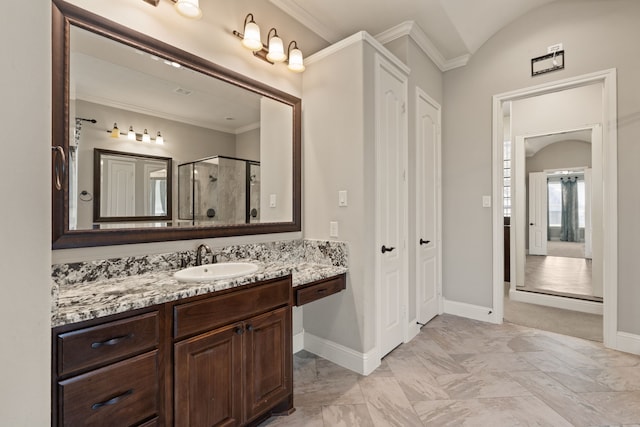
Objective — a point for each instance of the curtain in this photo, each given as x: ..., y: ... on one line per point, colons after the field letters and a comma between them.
x: 163, y: 195
x: 569, y: 226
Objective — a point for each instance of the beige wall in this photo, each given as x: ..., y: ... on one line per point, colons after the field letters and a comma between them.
x: 596, y: 35
x: 25, y: 230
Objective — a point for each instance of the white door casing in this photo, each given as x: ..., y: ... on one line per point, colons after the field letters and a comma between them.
x: 537, y: 213
x: 428, y: 177
x: 391, y: 202
x: 588, y: 230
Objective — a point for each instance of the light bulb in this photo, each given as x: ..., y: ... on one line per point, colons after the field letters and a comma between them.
x: 159, y: 139
x: 296, y: 61
x: 145, y: 136
x: 131, y: 134
x: 251, y: 38
x: 276, y: 49
x: 115, y: 132
x: 189, y: 8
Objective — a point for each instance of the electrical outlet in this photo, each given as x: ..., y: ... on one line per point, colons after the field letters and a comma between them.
x: 333, y: 229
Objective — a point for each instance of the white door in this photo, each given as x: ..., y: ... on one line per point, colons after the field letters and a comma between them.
x: 119, y: 188
x: 588, y: 229
x: 537, y: 213
x: 391, y: 203
x: 427, y: 207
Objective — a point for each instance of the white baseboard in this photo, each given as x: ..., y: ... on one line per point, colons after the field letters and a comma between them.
x: 557, y: 302
x: 362, y: 363
x: 298, y: 342
x: 629, y: 343
x: 470, y: 311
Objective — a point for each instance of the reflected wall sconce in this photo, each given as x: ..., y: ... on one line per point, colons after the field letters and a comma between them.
x: 133, y: 136
x: 187, y: 8
x: 273, y: 51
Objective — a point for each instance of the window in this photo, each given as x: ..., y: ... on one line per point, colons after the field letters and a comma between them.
x: 506, y: 176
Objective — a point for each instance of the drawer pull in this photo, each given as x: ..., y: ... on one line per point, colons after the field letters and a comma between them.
x: 112, y: 401
x: 112, y: 341
x: 322, y: 291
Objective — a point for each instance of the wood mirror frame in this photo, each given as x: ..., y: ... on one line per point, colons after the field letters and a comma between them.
x: 64, y: 15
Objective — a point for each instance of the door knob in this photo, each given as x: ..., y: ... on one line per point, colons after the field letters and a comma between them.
x: 530, y: 223
x: 386, y: 249
x: 424, y: 242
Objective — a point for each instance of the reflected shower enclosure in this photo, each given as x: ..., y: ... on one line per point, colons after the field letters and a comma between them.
x: 219, y: 190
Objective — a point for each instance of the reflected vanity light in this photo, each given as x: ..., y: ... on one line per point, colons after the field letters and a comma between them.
x: 133, y: 136
x: 187, y: 8
x: 273, y: 51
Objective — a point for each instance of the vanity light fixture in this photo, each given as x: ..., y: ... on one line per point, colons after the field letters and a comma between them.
x: 187, y: 8
x: 145, y: 136
x: 159, y: 139
x: 296, y: 61
x: 131, y: 134
x: 273, y: 51
x: 276, y: 48
x: 115, y: 132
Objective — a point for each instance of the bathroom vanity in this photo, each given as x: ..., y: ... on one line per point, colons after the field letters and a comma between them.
x: 148, y: 350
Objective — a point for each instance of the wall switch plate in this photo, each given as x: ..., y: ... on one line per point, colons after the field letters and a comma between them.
x: 342, y: 198
x: 333, y: 229
x: 486, y: 201
x: 272, y: 200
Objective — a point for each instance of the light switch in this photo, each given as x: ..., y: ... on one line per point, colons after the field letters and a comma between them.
x: 272, y: 200
x: 333, y: 229
x: 342, y: 198
x: 486, y: 201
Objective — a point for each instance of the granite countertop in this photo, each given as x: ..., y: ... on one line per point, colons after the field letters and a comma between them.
x: 90, y: 300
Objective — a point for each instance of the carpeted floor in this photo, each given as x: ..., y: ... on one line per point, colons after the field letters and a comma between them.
x: 566, y: 322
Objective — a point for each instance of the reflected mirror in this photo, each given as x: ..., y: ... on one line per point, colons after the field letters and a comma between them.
x: 130, y: 187
x: 127, y: 97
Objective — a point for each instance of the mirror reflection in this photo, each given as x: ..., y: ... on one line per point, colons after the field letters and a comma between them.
x: 124, y: 100
x: 130, y: 186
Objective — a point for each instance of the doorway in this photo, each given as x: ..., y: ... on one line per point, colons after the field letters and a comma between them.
x: 607, y: 247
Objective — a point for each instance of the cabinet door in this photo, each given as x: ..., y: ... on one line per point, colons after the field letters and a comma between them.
x: 208, y: 378
x: 268, y: 363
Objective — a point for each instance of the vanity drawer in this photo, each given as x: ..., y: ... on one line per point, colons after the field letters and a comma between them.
x: 98, y: 345
x: 320, y: 289
x: 216, y: 311
x: 123, y: 394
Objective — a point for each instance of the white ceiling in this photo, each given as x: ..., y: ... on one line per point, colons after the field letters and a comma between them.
x: 456, y: 28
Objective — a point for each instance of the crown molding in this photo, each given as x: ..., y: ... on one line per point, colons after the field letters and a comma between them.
x: 308, y: 20
x: 411, y: 29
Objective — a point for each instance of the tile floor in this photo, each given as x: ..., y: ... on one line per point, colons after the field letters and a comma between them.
x: 460, y: 372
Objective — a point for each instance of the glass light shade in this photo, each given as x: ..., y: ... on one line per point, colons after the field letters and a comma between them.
x: 115, y: 132
x: 145, y: 136
x: 189, y: 8
x: 131, y: 134
x: 296, y: 61
x: 159, y: 139
x: 251, y: 38
x: 276, y: 50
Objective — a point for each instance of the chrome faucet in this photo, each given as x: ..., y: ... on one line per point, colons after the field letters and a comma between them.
x: 207, y: 250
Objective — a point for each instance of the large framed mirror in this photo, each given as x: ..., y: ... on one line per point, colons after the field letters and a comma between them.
x: 117, y: 92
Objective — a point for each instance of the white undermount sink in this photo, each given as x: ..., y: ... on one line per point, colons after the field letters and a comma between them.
x: 209, y: 272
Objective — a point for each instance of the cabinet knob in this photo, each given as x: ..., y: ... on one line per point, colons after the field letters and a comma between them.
x: 249, y: 328
x: 239, y: 331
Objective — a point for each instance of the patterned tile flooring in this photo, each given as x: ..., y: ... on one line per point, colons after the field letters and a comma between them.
x: 460, y: 372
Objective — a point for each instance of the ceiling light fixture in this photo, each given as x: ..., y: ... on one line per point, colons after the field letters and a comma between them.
x: 273, y: 51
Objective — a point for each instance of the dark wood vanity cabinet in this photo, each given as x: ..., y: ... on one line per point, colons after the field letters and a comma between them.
x: 219, y: 360
x: 239, y: 372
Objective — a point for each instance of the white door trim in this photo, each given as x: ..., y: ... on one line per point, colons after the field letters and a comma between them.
x: 610, y: 170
